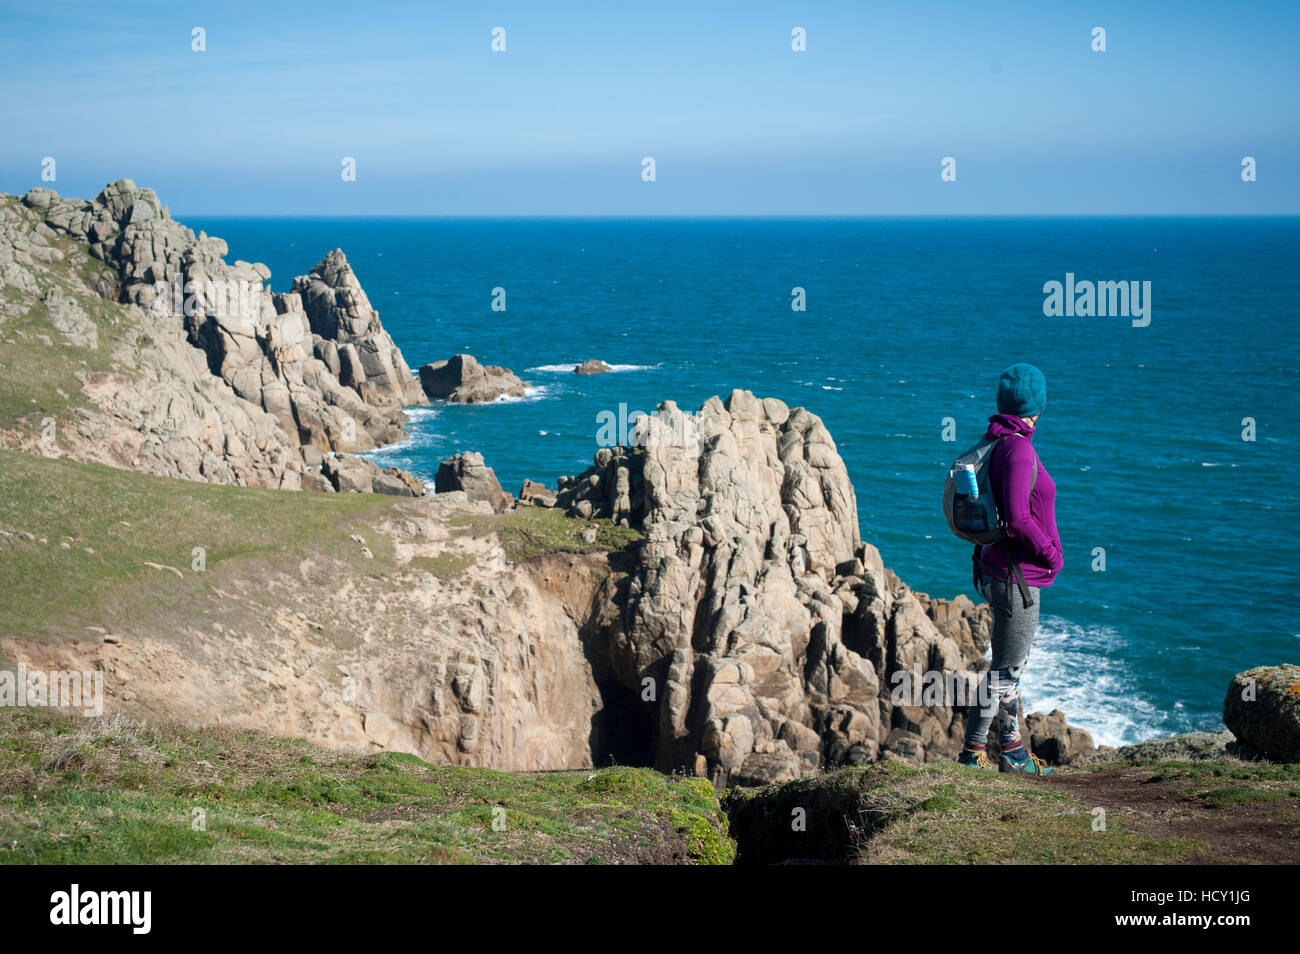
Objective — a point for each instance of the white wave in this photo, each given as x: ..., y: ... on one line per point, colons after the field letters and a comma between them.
x: 418, y: 440
x: 1081, y: 671
x: 421, y: 413
x: 570, y: 368
x: 534, y: 392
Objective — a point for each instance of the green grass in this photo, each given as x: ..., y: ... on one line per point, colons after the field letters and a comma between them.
x: 129, y: 520
x: 1223, y: 771
x: 112, y: 791
x: 445, y: 566
x: 529, y: 532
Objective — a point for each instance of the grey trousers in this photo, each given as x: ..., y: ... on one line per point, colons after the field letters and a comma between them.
x: 1014, y: 626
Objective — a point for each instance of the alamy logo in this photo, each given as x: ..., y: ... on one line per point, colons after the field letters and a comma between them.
x: 940, y: 688
x: 626, y: 428
x: 219, y: 299
x: 1100, y: 299
x: 103, y: 907
x: 59, y: 689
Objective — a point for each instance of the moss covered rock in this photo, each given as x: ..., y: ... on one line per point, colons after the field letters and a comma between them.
x: 1263, y: 710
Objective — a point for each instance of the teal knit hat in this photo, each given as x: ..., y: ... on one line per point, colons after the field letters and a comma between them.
x: 1022, y: 391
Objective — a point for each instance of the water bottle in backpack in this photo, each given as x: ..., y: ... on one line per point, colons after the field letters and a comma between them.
x: 968, y: 499
x: 972, y: 509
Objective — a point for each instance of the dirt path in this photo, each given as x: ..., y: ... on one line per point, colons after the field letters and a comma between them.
x: 1241, y: 820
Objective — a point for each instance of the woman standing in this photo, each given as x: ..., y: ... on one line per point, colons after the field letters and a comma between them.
x: 1026, y: 499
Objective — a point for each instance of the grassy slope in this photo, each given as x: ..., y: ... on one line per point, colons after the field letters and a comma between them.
x: 129, y: 520
x: 112, y: 791
x: 942, y: 813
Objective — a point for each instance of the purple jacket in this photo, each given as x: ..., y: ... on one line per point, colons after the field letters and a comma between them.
x: 1030, y: 516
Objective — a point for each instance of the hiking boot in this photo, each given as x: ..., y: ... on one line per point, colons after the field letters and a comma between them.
x: 1030, y: 765
x: 974, y: 759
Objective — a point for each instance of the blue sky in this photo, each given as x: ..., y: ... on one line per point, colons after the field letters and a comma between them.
x: 737, y: 122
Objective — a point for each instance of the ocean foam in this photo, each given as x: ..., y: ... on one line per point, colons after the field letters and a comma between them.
x: 534, y: 392
x: 1081, y: 671
x: 570, y: 368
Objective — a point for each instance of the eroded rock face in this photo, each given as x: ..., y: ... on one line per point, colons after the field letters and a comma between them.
x: 348, y: 473
x: 462, y: 380
x: 769, y: 636
x: 478, y: 664
x: 224, y: 381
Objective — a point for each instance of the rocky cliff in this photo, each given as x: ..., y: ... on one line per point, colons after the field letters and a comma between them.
x: 200, y: 372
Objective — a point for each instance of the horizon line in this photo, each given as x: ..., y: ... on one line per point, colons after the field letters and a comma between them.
x: 741, y: 216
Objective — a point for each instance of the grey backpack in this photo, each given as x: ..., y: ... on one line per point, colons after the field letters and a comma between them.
x: 977, y: 519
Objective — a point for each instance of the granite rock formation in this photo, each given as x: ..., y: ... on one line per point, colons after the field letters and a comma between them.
x: 462, y: 380
x: 212, y: 376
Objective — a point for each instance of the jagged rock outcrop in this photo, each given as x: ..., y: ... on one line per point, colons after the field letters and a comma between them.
x: 348, y: 338
x: 538, y: 495
x: 468, y: 473
x: 592, y: 366
x: 462, y: 380
x: 1262, y: 709
x: 768, y: 638
x: 213, y: 377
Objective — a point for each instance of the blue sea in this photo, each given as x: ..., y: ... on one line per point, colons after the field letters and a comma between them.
x: 908, y: 323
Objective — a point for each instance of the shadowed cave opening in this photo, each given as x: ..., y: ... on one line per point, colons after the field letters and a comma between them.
x: 624, y: 731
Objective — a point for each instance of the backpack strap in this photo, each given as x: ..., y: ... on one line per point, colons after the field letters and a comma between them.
x: 1026, y: 598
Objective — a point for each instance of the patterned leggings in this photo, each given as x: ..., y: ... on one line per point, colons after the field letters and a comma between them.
x: 1014, y: 626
